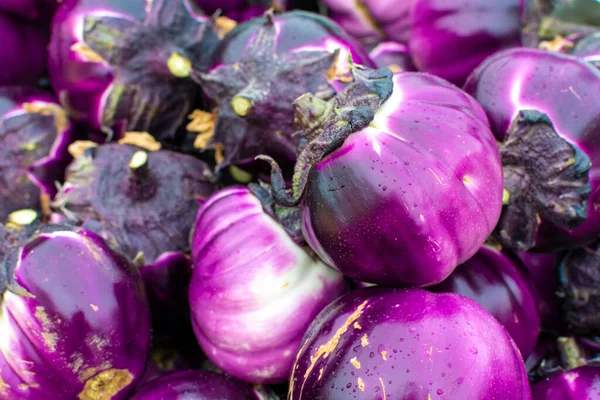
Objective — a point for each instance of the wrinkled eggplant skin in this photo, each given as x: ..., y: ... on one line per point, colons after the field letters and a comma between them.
x: 542, y: 268
x: 496, y: 283
x: 375, y: 21
x: 19, y: 66
x: 558, y: 85
x: 474, y: 29
x: 393, y: 55
x: 253, y: 291
x: 197, y: 385
x: 33, y: 152
x: 167, y: 281
x: 576, y: 384
x: 408, y: 343
x: 298, y: 31
x: 406, y: 200
x: 74, y: 319
x: 98, y: 191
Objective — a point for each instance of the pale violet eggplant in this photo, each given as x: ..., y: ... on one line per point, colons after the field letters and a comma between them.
x: 143, y: 202
x: 35, y: 134
x: 376, y: 343
x: 254, y: 291
x: 576, y: 384
x: 372, y: 21
x: 125, y: 65
x: 23, y: 51
x: 550, y: 201
x: 199, y: 385
x: 473, y: 29
x: 75, y: 320
x: 393, y: 55
x: 408, y: 184
x: 498, y: 284
x: 263, y: 66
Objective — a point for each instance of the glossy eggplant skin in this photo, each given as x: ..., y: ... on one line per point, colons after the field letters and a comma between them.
x: 407, y: 343
x: 473, y: 29
x: 576, y: 384
x: 75, y: 320
x: 254, y: 291
x: 412, y: 196
x: 372, y: 21
x: 564, y: 88
x: 197, y: 385
x: 498, y: 284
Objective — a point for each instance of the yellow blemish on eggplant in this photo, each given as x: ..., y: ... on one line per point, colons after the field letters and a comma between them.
x: 384, y: 355
x: 3, y: 386
x: 325, y: 349
x: 357, y: 325
x: 355, y: 362
x: 320, y: 374
x: 383, y: 388
x: 91, y: 371
x: 364, y: 340
x: 106, y: 384
x: 361, y: 384
x: 94, y: 307
x: 50, y: 338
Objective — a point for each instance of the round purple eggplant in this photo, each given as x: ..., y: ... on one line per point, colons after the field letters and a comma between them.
x: 75, y: 321
x: 473, y: 29
x: 142, y: 202
x: 393, y: 55
x: 23, y: 51
x: 543, y: 106
x: 125, y: 65
x: 372, y: 21
x: 496, y: 283
x: 198, y: 385
x: 411, y: 344
x: 34, y: 137
x: 400, y: 184
x: 576, y: 384
x: 254, y: 291
x: 263, y: 66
